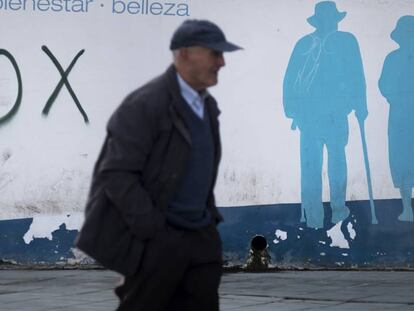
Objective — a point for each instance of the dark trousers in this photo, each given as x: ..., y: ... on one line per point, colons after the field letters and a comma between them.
x: 180, y: 271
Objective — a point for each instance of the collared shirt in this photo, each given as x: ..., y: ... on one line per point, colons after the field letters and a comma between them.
x: 194, y: 99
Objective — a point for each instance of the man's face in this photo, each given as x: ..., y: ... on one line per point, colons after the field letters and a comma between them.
x: 203, y: 65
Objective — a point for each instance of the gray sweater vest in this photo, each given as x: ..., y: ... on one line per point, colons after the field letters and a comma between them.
x: 188, y: 209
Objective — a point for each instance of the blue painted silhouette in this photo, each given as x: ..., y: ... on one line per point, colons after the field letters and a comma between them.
x: 396, y: 85
x: 324, y: 82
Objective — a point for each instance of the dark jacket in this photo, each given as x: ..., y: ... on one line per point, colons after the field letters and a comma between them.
x: 138, y: 172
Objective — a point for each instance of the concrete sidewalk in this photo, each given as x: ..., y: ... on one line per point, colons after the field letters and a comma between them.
x: 89, y: 290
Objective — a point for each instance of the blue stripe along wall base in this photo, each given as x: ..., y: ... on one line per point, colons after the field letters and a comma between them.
x: 354, y: 242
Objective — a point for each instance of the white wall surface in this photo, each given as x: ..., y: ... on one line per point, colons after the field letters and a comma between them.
x: 46, y: 162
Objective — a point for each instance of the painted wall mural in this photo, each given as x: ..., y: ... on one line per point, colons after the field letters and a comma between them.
x: 395, y: 84
x: 317, y: 122
x: 324, y: 82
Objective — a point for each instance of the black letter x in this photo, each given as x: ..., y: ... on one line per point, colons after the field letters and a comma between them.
x: 63, y: 80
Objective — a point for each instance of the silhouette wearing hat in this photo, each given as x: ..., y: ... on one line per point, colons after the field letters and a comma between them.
x: 396, y: 85
x: 324, y: 82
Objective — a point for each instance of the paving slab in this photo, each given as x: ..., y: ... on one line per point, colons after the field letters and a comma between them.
x: 91, y: 290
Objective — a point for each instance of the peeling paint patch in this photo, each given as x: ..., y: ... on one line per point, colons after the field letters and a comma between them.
x: 337, y: 237
x: 43, y: 226
x: 352, y: 232
x: 280, y: 236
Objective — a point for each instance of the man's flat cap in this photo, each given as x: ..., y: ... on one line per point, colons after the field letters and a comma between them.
x: 203, y: 33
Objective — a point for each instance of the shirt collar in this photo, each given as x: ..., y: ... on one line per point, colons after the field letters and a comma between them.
x: 187, y: 91
x: 194, y: 99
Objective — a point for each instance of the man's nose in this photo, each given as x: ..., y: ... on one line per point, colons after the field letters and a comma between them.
x: 221, y: 61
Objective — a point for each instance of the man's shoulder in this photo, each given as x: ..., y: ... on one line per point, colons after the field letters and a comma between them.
x: 309, y: 39
x: 153, y: 95
x: 149, y: 102
x: 304, y: 43
x: 345, y: 37
x: 151, y: 92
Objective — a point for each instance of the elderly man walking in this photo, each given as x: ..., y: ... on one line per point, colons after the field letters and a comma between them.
x: 324, y: 82
x: 151, y: 213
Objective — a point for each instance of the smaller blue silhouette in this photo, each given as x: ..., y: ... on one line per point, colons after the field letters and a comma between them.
x: 324, y: 82
x: 397, y: 86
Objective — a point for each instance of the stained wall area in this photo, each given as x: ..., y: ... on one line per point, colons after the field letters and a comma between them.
x: 317, y: 121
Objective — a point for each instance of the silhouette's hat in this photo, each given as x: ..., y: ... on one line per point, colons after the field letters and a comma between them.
x: 404, y: 31
x: 203, y: 33
x: 325, y: 10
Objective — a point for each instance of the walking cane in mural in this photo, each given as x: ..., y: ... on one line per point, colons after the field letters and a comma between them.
x: 374, y: 219
x: 396, y: 85
x: 324, y: 82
